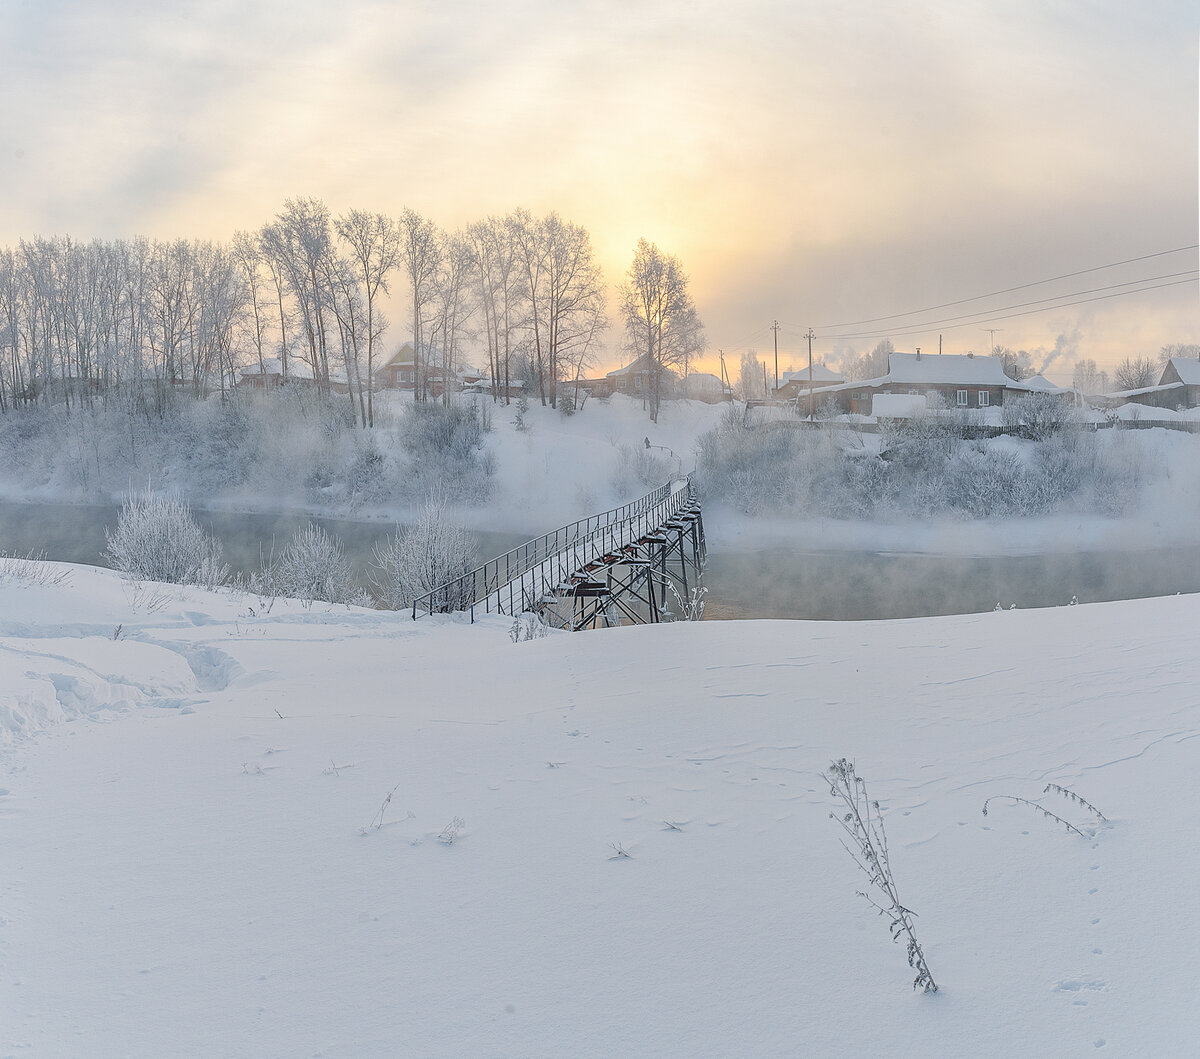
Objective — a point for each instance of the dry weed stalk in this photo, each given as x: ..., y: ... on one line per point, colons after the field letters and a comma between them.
x: 863, y: 825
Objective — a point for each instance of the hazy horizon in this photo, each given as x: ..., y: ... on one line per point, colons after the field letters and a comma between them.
x: 812, y: 165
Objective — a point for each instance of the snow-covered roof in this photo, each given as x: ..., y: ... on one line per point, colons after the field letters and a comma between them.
x: 820, y: 373
x: 1142, y: 390
x: 966, y: 369
x: 297, y: 369
x: 1188, y: 369
x: 703, y: 382
x: 643, y: 363
x: 1038, y: 384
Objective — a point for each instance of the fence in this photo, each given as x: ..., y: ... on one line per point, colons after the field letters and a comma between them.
x: 513, y: 582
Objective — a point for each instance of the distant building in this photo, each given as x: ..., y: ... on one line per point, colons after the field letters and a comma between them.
x: 702, y: 386
x: 399, y: 371
x: 794, y: 384
x: 637, y: 379
x: 950, y: 380
x: 269, y: 374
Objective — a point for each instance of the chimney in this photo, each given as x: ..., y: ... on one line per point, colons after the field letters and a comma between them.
x: 918, y: 352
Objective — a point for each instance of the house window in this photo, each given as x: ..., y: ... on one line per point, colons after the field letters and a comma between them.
x: 858, y: 396
x: 914, y: 393
x: 961, y: 399
x: 985, y: 398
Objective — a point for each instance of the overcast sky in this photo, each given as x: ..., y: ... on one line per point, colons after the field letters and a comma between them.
x: 816, y: 163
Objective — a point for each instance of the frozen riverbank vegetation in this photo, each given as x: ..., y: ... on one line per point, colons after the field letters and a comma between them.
x: 291, y: 447
x: 929, y: 466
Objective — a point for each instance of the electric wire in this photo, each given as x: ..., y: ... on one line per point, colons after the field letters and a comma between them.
x: 1003, y: 315
x: 1010, y: 290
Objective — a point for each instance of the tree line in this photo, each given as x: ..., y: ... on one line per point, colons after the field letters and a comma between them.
x: 82, y: 321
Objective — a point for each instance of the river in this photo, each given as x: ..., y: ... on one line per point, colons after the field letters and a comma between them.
x: 776, y: 583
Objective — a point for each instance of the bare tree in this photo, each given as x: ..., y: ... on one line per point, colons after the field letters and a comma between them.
x: 299, y: 241
x: 1136, y: 373
x: 375, y: 248
x: 422, y: 252
x: 500, y: 287
x: 871, y: 365
x: 661, y: 322
x: 1089, y: 379
x: 532, y: 253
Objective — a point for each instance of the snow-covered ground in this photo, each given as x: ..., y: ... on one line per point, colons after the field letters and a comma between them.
x: 200, y: 857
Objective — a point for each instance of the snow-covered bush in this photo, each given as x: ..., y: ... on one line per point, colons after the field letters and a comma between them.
x: 442, y: 445
x: 312, y: 566
x: 638, y: 469
x: 158, y: 539
x: 1039, y: 415
x: 432, y: 551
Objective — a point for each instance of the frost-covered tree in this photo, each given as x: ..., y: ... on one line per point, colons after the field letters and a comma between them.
x: 661, y: 322
x: 869, y: 365
x: 429, y: 554
x: 158, y: 539
x: 1134, y: 373
x: 1089, y: 379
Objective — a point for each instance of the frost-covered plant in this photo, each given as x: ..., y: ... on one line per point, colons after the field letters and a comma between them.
x: 1037, y: 807
x: 638, y: 468
x: 1069, y: 794
x: 158, y: 539
x: 312, y: 566
x: 31, y: 570
x: 862, y: 822
x: 528, y: 626
x: 451, y: 831
x: 431, y: 553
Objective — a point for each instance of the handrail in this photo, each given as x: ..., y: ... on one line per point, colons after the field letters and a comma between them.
x: 582, y: 541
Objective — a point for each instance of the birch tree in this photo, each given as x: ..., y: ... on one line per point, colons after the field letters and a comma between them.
x: 661, y: 322
x: 375, y: 249
x: 422, y: 254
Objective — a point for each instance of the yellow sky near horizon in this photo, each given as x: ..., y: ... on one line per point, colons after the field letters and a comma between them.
x: 806, y: 163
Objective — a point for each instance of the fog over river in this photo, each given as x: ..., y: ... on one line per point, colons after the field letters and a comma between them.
x: 779, y: 582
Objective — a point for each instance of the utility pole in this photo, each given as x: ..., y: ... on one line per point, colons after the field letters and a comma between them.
x: 775, y: 328
x: 810, y: 336
x: 991, y: 338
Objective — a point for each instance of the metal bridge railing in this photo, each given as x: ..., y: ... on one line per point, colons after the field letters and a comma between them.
x: 511, y: 582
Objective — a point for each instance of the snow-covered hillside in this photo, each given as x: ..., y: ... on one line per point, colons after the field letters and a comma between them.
x: 337, y: 832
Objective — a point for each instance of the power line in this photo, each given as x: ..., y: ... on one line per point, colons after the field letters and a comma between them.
x: 988, y: 313
x: 1010, y: 290
x: 1004, y: 315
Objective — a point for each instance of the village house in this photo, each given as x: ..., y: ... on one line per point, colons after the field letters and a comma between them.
x: 703, y: 386
x: 794, y: 384
x: 1177, y: 389
x: 399, y: 371
x: 637, y: 379
x: 269, y: 374
x: 1185, y: 372
x: 951, y: 380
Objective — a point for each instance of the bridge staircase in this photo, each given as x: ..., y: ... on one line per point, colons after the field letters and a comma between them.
x: 639, y: 563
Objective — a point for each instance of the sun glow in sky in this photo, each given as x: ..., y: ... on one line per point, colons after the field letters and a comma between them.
x: 809, y: 162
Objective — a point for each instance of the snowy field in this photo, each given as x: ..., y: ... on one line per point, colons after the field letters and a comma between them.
x: 200, y: 858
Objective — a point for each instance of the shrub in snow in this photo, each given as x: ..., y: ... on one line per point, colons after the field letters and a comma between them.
x: 313, y: 566
x: 528, y: 626
x: 158, y: 539
x: 32, y: 570
x: 638, y: 469
x: 432, y: 551
x: 863, y: 825
x: 442, y: 444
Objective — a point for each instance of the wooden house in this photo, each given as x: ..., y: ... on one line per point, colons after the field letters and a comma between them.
x: 962, y: 381
x: 637, y: 379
